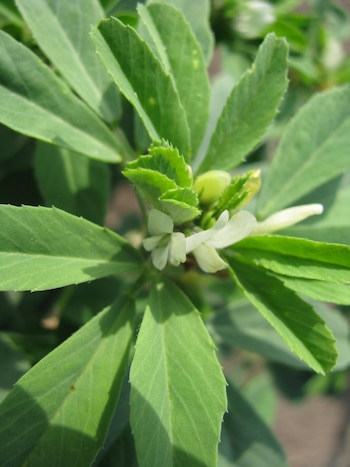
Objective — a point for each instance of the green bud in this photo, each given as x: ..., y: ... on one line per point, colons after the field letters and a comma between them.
x: 211, y: 185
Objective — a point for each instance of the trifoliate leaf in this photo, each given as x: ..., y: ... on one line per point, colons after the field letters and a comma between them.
x: 239, y: 192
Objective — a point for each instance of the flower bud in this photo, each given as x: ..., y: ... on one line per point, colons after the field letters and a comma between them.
x: 252, y: 185
x: 286, y: 218
x: 211, y: 185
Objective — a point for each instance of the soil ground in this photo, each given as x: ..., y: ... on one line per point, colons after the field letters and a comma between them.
x: 315, y: 433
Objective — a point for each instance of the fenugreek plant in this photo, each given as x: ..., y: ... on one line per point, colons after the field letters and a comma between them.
x: 224, y: 255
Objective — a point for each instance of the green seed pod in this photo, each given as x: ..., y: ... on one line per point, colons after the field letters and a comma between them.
x: 211, y: 185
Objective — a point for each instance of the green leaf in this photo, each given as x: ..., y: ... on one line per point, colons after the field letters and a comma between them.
x: 298, y: 257
x: 246, y: 440
x: 72, y: 182
x: 180, y: 204
x: 197, y: 13
x: 177, y: 387
x: 45, y: 248
x: 37, y: 103
x: 295, y: 320
x: 70, y: 395
x: 165, y: 29
x: 319, y: 290
x: 63, y: 33
x: 339, y: 325
x: 163, y: 178
x: 239, y: 191
x: 313, y: 150
x: 250, y: 108
x: 143, y: 81
x: 166, y: 160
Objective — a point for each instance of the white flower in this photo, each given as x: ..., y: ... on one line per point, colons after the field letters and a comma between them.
x: 225, y: 232
x: 164, y: 244
x: 287, y: 217
x: 255, y: 16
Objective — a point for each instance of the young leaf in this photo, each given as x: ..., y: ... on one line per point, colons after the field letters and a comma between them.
x: 143, y: 81
x: 164, y: 179
x: 166, y: 160
x: 298, y: 257
x: 239, y: 191
x: 177, y: 387
x: 313, y: 150
x: 37, y: 103
x: 167, y: 32
x: 45, y: 248
x: 245, y: 439
x: 250, y: 108
x: 295, y: 320
x: 197, y: 13
x: 72, y: 182
x: 64, y: 36
x: 69, y: 395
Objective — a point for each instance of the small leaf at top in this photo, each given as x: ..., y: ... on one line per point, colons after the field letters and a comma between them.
x: 250, y: 108
x: 164, y: 179
x: 166, y: 160
x: 240, y: 190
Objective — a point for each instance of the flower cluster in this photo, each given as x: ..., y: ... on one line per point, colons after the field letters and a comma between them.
x: 167, y: 246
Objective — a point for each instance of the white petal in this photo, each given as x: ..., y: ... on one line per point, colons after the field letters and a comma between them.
x: 150, y: 243
x: 177, y: 252
x: 208, y: 259
x: 193, y: 241
x: 286, y: 218
x: 159, y: 223
x: 222, y: 221
x: 238, y: 227
x: 160, y: 256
